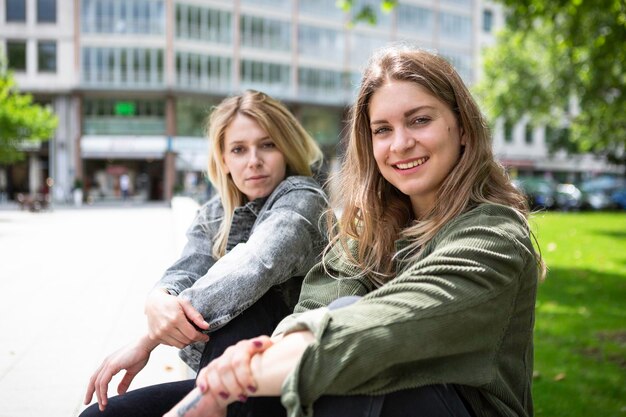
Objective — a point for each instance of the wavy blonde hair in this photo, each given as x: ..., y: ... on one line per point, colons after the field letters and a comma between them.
x: 375, y: 213
x: 301, y: 152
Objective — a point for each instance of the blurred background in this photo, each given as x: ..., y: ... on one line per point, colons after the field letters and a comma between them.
x: 102, y: 119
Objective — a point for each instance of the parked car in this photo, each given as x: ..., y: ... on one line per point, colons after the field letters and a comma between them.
x: 568, y: 197
x: 540, y: 192
x: 597, y: 192
x: 619, y: 198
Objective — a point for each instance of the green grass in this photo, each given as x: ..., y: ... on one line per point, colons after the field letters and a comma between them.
x: 580, y: 329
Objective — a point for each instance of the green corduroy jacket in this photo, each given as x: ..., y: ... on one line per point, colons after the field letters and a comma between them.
x: 462, y: 313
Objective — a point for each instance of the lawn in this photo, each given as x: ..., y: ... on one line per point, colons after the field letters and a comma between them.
x: 580, y: 329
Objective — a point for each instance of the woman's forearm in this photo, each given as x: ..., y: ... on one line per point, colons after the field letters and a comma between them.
x: 271, y: 367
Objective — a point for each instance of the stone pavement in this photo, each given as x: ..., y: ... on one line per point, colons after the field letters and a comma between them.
x: 72, y: 286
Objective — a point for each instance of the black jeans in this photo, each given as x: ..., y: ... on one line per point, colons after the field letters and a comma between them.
x: 155, y: 400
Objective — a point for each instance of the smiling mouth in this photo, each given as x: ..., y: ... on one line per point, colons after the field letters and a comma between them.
x: 411, y: 164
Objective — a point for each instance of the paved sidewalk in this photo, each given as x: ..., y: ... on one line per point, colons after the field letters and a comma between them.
x: 72, y: 287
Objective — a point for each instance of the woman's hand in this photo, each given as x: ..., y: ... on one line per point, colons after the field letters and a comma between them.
x: 133, y: 358
x: 171, y: 320
x: 230, y: 375
x: 225, y: 380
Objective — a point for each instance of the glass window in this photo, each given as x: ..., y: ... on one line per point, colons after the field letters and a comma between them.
x: 16, y: 10
x: 47, y: 56
x: 322, y: 8
x: 415, y: 19
x: 123, y: 116
x: 529, y: 134
x: 259, y: 32
x: 487, y: 20
x: 508, y: 131
x: 461, y: 62
x: 319, y: 42
x: 123, y: 66
x: 46, y: 11
x: 16, y: 55
x: 267, y: 76
x: 456, y: 27
x: 128, y: 16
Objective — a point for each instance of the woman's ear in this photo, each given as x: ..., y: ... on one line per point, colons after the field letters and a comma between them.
x: 462, y: 135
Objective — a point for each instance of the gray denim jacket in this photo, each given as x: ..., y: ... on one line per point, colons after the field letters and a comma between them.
x: 271, y: 240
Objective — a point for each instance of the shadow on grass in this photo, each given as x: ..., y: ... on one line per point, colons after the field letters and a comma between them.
x: 617, y: 234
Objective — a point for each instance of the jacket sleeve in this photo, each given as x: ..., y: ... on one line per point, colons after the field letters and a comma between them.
x: 286, y: 242
x: 197, y: 257
x: 440, y: 321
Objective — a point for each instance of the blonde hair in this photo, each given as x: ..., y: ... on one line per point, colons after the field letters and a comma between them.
x: 376, y: 213
x: 301, y: 152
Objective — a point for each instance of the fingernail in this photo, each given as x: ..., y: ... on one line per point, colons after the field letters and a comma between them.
x: 202, y: 387
x: 251, y: 388
x: 258, y: 343
x: 242, y: 398
x: 224, y: 395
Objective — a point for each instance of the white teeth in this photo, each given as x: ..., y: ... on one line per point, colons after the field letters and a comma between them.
x: 412, y: 163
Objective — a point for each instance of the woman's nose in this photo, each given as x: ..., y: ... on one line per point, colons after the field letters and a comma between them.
x: 402, y: 141
x: 255, y: 159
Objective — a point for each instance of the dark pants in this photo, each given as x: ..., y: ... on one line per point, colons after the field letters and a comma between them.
x: 156, y: 400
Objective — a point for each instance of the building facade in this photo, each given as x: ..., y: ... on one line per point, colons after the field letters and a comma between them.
x: 133, y: 80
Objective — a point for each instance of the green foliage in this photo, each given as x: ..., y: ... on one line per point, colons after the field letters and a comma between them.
x: 554, y: 51
x: 580, y: 327
x: 366, y: 13
x: 21, y: 121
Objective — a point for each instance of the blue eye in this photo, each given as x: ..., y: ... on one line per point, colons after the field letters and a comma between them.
x: 268, y: 145
x: 237, y: 149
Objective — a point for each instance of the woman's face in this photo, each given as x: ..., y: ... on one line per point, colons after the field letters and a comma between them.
x: 251, y: 158
x: 415, y: 139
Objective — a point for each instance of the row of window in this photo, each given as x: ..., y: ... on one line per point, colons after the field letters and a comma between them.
x: 138, y: 67
x: 15, y: 11
x: 123, y: 16
x: 46, y: 55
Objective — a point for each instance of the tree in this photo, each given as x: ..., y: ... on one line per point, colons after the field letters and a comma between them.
x: 562, y: 60
x: 21, y: 120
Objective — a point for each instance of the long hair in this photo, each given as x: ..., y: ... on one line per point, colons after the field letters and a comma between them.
x: 299, y: 149
x: 376, y: 213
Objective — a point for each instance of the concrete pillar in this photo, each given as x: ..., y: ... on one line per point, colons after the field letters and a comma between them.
x: 34, y: 173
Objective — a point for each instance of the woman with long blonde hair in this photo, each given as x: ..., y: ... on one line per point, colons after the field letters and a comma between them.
x: 423, y: 304
x: 248, y: 249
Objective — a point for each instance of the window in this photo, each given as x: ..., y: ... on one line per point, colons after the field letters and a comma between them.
x: 508, y: 131
x: 487, y: 20
x: 200, y: 23
x: 529, y: 134
x: 259, y: 32
x: 16, y: 10
x: 456, y: 27
x: 123, y: 116
x: 128, y: 16
x: 415, y: 19
x: 271, y: 77
x: 16, y: 55
x: 122, y: 66
x: 46, y: 56
x: 46, y: 11
x: 321, y: 8
x: 321, y: 43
